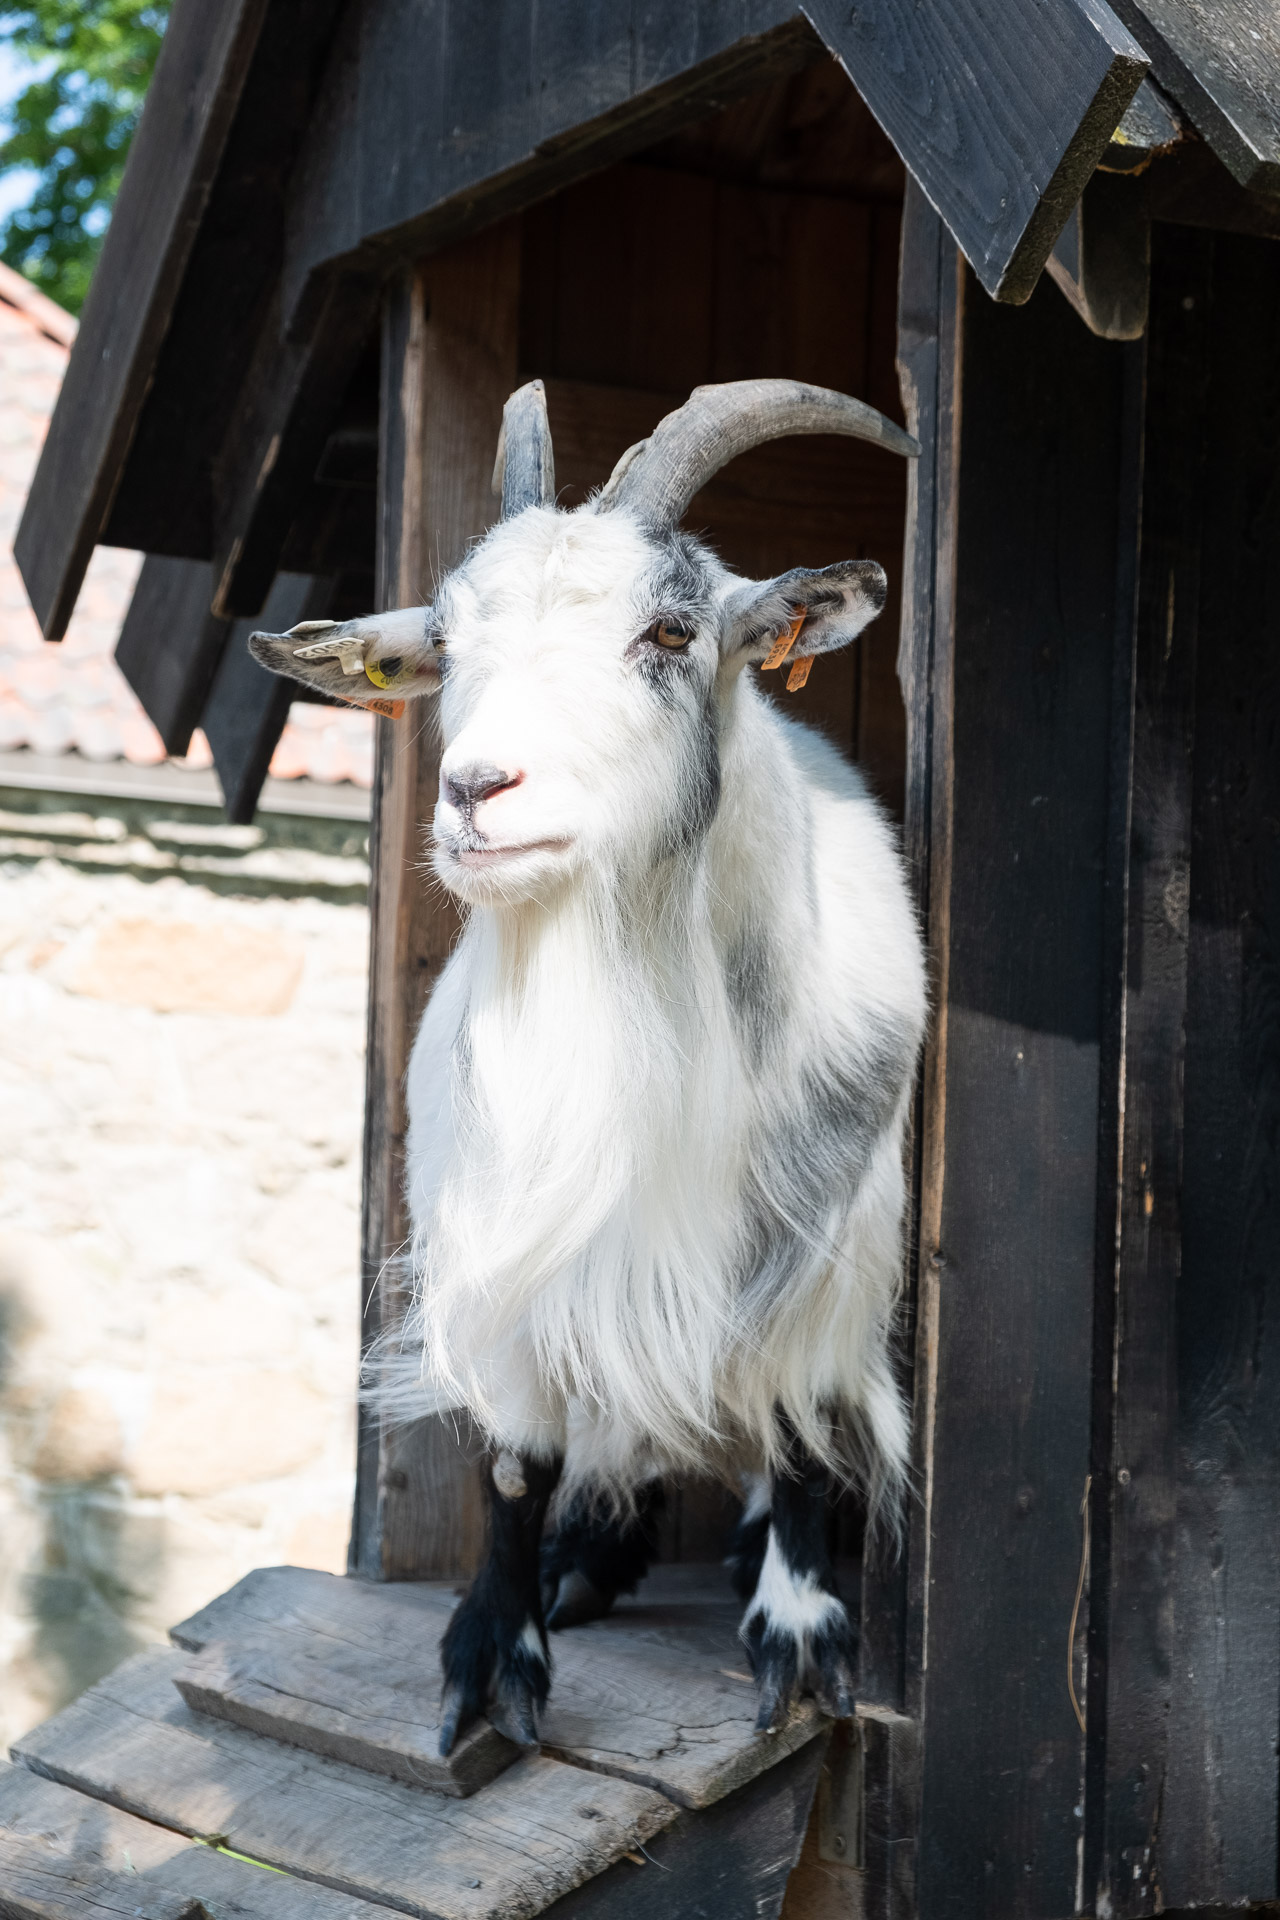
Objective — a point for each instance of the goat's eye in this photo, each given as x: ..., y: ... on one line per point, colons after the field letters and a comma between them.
x: 671, y: 633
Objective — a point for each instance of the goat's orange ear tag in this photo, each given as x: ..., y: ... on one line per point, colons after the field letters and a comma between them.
x: 784, y: 643
x: 389, y: 709
x: 799, y: 672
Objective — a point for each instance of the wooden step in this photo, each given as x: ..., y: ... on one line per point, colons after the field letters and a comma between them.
x: 66, y: 1857
x: 535, y: 1833
x: 658, y: 1693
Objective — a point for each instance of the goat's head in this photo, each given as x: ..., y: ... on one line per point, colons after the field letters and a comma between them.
x: 587, y: 660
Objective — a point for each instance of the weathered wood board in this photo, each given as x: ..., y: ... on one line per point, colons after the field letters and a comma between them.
x: 537, y: 1832
x: 657, y: 1694
x: 324, y: 1693
x: 64, y: 1856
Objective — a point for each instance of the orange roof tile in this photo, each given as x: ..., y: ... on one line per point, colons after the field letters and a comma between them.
x: 70, y: 697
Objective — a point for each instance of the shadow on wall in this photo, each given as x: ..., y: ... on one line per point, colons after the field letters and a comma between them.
x: 86, y: 1562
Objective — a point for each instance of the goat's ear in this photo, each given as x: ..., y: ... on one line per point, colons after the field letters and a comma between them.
x: 836, y: 604
x: 383, y: 657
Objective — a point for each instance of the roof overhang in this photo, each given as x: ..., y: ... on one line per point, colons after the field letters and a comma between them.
x: 289, y: 159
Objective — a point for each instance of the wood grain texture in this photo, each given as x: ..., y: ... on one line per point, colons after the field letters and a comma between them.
x: 1218, y: 1830
x: 1102, y: 259
x: 170, y: 645
x: 1137, y: 1511
x: 656, y: 1693
x: 536, y: 1832
x: 175, y: 155
x: 1220, y: 59
x: 246, y: 707
x: 344, y: 1703
x: 428, y: 124
x: 285, y: 406
x: 1009, y: 1184
x: 1001, y: 116
x: 66, y: 1856
x: 896, y: 1595
x: 449, y: 362
x: 732, y: 1861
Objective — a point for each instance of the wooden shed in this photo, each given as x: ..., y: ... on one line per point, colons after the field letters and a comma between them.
x: 347, y: 231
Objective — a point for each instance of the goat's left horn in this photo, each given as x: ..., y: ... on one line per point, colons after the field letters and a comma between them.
x: 657, y: 479
x: 524, y: 472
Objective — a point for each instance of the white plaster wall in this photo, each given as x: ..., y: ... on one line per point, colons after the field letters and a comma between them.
x: 180, y: 1116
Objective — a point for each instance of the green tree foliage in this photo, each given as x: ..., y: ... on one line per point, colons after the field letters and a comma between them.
x: 91, y: 63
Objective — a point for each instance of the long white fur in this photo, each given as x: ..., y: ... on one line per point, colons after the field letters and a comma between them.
x: 585, y: 1115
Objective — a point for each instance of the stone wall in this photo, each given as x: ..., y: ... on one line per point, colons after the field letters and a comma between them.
x: 180, y: 1116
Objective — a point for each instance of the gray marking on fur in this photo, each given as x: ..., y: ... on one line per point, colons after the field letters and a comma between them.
x: 752, y: 985
x: 812, y: 1159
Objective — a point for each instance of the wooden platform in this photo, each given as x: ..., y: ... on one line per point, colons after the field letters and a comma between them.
x: 281, y: 1760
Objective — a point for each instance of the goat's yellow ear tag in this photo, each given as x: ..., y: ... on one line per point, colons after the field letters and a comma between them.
x: 784, y: 643
x: 377, y: 676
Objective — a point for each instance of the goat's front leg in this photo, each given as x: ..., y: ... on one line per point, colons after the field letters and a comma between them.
x: 797, y: 1631
x: 494, y: 1652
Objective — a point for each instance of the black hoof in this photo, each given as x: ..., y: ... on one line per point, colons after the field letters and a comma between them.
x: 825, y: 1666
x: 496, y: 1667
x: 833, y: 1666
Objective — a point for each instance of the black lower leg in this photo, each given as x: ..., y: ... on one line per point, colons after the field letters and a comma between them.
x: 590, y: 1559
x: 494, y: 1652
x: 797, y: 1630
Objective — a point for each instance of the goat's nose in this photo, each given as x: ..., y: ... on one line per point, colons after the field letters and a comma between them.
x: 467, y: 786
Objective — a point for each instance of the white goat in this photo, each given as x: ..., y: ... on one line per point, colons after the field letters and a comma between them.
x: 658, y: 1098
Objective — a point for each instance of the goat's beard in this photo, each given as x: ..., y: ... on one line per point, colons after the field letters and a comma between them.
x: 584, y: 1218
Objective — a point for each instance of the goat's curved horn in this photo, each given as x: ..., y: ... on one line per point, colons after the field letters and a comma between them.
x: 657, y: 479
x: 524, y: 472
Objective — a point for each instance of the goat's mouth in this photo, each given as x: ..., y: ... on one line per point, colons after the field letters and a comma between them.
x: 475, y: 854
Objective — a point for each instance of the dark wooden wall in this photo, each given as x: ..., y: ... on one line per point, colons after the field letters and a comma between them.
x: 1093, y: 803
x: 763, y: 241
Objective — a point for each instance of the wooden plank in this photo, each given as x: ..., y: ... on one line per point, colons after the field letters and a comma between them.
x: 896, y: 1587
x: 64, y: 1856
x: 449, y: 362
x: 1218, y: 1828
x: 1136, y: 1512
x: 1220, y: 59
x: 246, y: 707
x: 164, y: 502
x: 1028, y: 99
x: 536, y: 1832
x: 1001, y: 117
x: 170, y: 645
x: 731, y: 1862
x: 1102, y: 260
x: 285, y: 409
x: 1018, y: 811
x: 458, y: 101
x: 203, y: 62
x: 657, y: 1693
x: 330, y: 1695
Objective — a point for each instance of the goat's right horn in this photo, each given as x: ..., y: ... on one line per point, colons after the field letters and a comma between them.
x: 658, y: 478
x: 524, y: 472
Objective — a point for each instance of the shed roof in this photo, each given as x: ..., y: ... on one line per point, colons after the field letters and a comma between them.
x: 290, y: 157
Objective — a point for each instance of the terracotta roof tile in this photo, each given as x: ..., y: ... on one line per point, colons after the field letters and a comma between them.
x: 71, y: 697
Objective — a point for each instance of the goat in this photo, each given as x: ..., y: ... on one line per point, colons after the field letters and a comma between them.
x: 658, y: 1098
